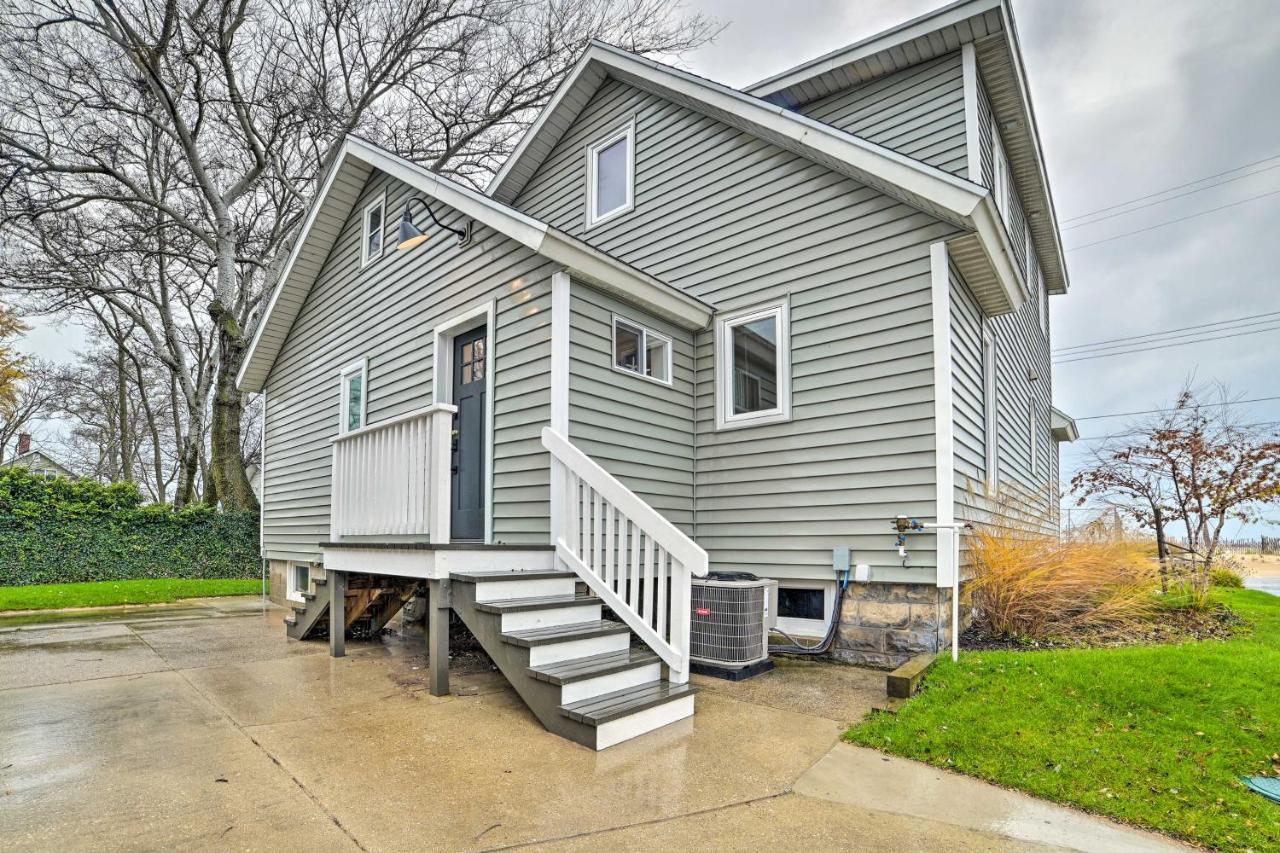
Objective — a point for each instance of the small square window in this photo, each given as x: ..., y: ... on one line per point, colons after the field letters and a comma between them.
x: 641, y: 351
x: 754, y: 367
x: 353, y: 390
x: 372, y: 235
x: 611, y: 175
x: 796, y: 603
x: 297, y: 581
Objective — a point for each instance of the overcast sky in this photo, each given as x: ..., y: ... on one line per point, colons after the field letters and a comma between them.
x: 1131, y: 98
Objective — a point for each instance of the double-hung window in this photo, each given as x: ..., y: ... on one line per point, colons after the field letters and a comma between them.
x: 641, y: 351
x: 373, y: 231
x: 753, y: 367
x: 354, y: 391
x: 611, y: 165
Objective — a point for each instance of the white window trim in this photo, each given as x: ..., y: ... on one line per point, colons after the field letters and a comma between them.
x: 725, y: 419
x: 380, y: 203
x: 807, y: 627
x: 344, y: 399
x: 442, y: 383
x: 627, y: 131
x: 291, y: 590
x: 990, y: 407
x: 1000, y: 177
x: 645, y: 334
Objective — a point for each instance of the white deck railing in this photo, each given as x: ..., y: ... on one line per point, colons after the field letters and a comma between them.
x: 635, y: 560
x: 393, y: 477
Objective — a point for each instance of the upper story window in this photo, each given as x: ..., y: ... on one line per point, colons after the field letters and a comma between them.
x: 641, y: 351
x: 372, y: 233
x: 1035, y: 281
x: 354, y: 393
x: 611, y: 175
x: 1001, y: 182
x: 753, y: 367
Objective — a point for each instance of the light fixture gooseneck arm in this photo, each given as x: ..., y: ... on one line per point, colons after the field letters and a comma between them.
x: 462, y: 235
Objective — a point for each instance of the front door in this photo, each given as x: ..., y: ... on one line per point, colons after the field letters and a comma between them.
x: 470, y: 368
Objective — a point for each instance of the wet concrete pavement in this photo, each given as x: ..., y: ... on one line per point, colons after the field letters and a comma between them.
x: 202, y: 727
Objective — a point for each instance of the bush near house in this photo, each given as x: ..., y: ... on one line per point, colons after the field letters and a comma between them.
x: 54, y: 530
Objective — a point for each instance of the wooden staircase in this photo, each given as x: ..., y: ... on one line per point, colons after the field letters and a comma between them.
x: 583, y: 676
x: 371, y: 601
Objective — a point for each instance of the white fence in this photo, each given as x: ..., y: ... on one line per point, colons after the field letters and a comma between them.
x: 394, y: 478
x: 635, y: 560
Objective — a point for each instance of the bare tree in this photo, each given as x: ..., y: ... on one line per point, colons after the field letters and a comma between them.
x: 240, y: 103
x: 34, y: 399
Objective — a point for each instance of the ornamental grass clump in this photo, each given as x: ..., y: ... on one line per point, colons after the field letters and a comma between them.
x: 1034, y: 586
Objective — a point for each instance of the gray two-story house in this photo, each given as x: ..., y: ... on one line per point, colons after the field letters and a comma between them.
x: 686, y: 328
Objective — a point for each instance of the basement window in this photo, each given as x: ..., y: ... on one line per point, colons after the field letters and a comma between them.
x: 298, y: 581
x: 804, y: 606
x: 753, y: 367
x: 353, y: 393
x: 374, y: 222
x: 611, y: 175
x: 641, y: 351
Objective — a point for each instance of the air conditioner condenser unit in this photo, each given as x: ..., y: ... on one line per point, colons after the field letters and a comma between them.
x: 732, y: 613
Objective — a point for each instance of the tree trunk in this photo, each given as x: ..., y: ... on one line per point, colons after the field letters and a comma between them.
x: 122, y: 416
x: 226, y: 464
x: 1162, y: 549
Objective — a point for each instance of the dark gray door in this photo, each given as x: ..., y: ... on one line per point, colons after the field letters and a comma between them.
x: 470, y: 368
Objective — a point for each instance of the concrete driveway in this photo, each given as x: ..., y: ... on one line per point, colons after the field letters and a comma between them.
x: 200, y: 726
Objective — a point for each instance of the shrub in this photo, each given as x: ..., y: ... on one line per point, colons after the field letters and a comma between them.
x: 1226, y: 578
x: 54, y: 530
x: 1035, y: 586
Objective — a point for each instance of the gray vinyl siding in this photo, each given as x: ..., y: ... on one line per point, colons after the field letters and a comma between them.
x: 968, y: 397
x: 386, y: 312
x: 739, y: 222
x: 918, y: 111
x: 638, y: 430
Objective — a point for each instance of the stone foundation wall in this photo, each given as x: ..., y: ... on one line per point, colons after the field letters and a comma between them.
x: 885, y: 624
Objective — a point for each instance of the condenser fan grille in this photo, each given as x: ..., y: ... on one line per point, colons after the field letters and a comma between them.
x: 727, y: 624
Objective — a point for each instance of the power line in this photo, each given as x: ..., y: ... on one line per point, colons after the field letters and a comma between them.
x: 1133, y: 433
x: 1173, y: 221
x: 1171, y: 189
x: 1090, y: 356
x: 1159, y: 411
x: 1166, y: 332
x: 1170, y: 198
x: 1167, y: 337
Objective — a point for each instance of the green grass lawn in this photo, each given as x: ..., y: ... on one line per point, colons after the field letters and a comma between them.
x: 1157, y: 736
x: 103, y: 593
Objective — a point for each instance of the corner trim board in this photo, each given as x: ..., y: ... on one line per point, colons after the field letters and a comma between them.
x: 943, y: 410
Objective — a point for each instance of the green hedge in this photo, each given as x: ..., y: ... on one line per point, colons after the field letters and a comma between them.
x: 54, y: 530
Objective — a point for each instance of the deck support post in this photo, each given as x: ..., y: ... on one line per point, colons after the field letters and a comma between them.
x: 438, y: 606
x: 337, y: 583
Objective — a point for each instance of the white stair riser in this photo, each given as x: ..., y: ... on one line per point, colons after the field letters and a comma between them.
x: 617, y: 731
x: 576, y: 691
x: 537, y: 588
x: 562, y: 615
x: 571, y: 649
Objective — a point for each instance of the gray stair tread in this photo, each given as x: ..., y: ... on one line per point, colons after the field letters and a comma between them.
x: 611, y: 706
x: 579, y: 669
x: 515, y: 575
x: 541, y: 602
x: 563, y: 633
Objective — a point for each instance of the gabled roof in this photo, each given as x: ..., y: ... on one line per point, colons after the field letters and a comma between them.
x: 989, y: 26
x: 330, y: 209
x: 1062, y: 426
x: 24, y: 461
x: 983, y: 254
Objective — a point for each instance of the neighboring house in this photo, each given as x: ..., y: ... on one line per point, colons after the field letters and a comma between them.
x: 684, y: 325
x: 36, y: 461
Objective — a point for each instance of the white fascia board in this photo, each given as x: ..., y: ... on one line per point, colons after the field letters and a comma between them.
x: 905, y: 32
x: 948, y: 191
x: 1062, y: 425
x: 986, y: 221
x: 598, y: 269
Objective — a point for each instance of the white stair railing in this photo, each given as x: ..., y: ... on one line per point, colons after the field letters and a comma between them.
x: 393, y: 477
x: 635, y: 560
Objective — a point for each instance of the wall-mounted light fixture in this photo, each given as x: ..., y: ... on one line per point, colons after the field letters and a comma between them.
x: 411, y: 235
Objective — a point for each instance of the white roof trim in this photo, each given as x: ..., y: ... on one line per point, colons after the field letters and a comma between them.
x: 585, y: 261
x: 1062, y: 426
x: 949, y: 197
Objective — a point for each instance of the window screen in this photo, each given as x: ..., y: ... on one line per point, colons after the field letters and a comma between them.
x: 755, y: 365
x: 611, y: 177
x: 796, y: 603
